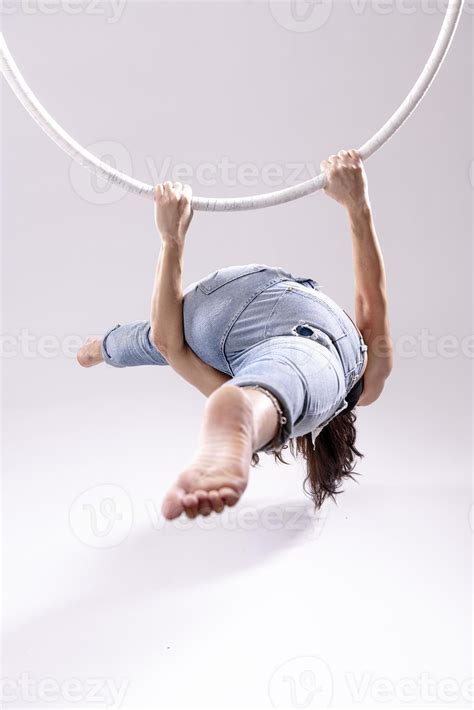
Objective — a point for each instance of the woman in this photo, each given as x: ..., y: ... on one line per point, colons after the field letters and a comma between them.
x: 280, y: 362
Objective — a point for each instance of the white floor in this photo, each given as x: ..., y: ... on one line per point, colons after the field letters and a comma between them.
x: 366, y: 605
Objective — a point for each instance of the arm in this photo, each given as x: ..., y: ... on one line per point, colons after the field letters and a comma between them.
x: 173, y: 216
x: 347, y: 184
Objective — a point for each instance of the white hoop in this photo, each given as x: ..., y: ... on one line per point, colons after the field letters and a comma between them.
x: 88, y: 160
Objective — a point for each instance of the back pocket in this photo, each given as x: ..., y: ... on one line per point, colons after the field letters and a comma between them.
x: 219, y: 278
x: 300, y: 306
x: 328, y: 311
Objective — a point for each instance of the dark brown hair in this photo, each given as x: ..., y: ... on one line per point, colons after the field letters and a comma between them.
x: 330, y: 461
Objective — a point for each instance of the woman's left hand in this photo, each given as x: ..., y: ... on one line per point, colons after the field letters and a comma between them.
x: 173, y: 211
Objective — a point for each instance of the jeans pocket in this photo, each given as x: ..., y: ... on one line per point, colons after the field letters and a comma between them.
x: 220, y: 278
x: 315, y: 309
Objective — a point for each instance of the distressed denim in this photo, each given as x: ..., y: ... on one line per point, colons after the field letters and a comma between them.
x: 262, y: 326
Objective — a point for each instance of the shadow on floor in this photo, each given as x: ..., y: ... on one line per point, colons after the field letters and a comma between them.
x: 133, y: 583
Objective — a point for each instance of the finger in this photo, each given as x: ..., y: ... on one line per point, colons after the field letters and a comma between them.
x: 216, y: 502
x: 324, y: 165
x: 332, y: 159
x: 187, y: 193
x: 159, y: 191
x: 168, y: 188
x: 342, y: 154
x: 354, y: 154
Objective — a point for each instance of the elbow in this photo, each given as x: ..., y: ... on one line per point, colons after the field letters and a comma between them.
x: 372, y: 307
x: 159, y: 344
x: 380, y: 351
x: 164, y: 349
x: 386, y: 366
x: 169, y: 351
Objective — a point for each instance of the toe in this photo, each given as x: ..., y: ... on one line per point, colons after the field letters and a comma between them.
x: 229, y: 496
x: 190, y: 505
x: 205, y: 507
x: 216, y: 501
x: 173, y: 503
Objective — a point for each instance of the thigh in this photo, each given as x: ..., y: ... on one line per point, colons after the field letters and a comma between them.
x: 304, y: 375
x: 213, y: 305
x: 289, y: 308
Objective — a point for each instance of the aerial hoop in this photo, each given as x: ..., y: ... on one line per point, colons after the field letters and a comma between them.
x: 218, y: 204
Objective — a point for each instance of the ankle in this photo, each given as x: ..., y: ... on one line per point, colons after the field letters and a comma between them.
x: 268, y: 416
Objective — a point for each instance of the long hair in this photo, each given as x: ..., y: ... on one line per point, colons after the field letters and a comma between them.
x: 332, y: 459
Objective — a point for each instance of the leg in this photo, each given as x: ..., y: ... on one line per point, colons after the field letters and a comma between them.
x: 126, y: 345
x: 308, y: 384
x: 237, y: 422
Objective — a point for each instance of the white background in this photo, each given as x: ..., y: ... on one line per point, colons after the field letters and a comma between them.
x: 369, y: 602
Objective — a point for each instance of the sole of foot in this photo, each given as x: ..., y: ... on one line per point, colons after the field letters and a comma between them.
x: 219, y: 472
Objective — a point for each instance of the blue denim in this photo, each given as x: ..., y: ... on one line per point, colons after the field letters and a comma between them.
x: 263, y: 326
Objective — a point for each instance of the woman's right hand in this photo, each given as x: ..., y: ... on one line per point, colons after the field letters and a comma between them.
x: 173, y: 211
x: 346, y: 179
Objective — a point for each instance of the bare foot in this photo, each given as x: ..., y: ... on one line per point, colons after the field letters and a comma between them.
x: 219, y: 472
x: 91, y: 352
